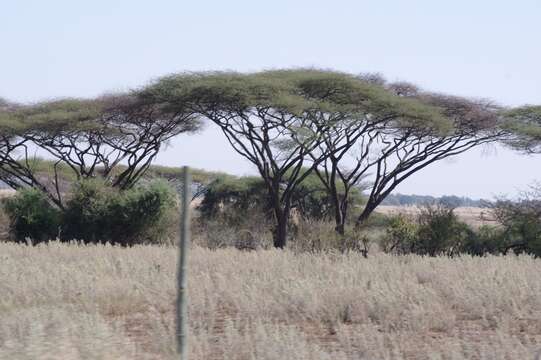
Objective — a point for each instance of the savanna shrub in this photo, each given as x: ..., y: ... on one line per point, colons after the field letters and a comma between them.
x: 436, y: 230
x: 521, y: 222
x: 315, y: 236
x: 98, y: 213
x: 440, y: 231
x: 230, y: 199
x: 486, y: 240
x: 401, y: 235
x: 95, y: 212
x: 31, y: 216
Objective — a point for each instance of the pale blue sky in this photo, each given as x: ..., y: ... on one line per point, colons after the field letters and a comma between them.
x: 478, y: 48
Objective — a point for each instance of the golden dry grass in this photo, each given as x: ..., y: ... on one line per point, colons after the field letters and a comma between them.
x: 100, y: 302
x: 6, y: 193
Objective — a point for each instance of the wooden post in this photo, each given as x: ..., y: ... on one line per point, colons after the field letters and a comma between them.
x: 182, y: 296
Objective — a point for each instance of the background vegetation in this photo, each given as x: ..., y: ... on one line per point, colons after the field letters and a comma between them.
x: 296, y: 126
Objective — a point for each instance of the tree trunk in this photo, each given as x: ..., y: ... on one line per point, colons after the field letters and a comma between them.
x: 339, y: 220
x: 368, y: 210
x: 340, y: 228
x: 280, y: 230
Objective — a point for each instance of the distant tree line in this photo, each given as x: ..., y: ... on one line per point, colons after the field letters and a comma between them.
x: 449, y: 200
x: 347, y: 130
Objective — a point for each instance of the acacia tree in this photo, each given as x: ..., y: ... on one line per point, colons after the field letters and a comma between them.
x: 15, y: 172
x: 407, y: 150
x: 357, y: 134
x: 521, y: 220
x: 278, y: 120
x: 113, y: 137
x: 265, y: 118
x: 392, y: 144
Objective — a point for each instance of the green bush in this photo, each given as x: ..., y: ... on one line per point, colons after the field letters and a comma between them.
x: 230, y: 199
x: 521, y: 222
x: 486, y: 240
x: 98, y: 213
x: 401, y: 235
x: 31, y: 216
x: 436, y: 230
x: 440, y: 231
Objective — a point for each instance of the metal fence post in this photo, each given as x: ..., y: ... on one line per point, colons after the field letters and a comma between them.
x: 182, y: 300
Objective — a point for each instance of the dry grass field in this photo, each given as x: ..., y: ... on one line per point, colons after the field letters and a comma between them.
x: 63, y: 301
x: 6, y: 192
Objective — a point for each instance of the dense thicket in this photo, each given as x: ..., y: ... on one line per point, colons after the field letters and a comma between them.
x: 95, y: 212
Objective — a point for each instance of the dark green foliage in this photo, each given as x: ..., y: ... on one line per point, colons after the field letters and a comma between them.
x: 436, y: 230
x: 313, y: 200
x: 521, y: 222
x: 440, y: 231
x: 87, y: 214
x: 486, y: 240
x: 376, y: 221
x: 401, y: 235
x: 95, y: 212
x: 234, y: 197
x: 143, y: 214
x: 31, y: 216
x: 99, y: 213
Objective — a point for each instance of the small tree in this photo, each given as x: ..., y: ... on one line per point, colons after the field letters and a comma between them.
x: 521, y: 221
